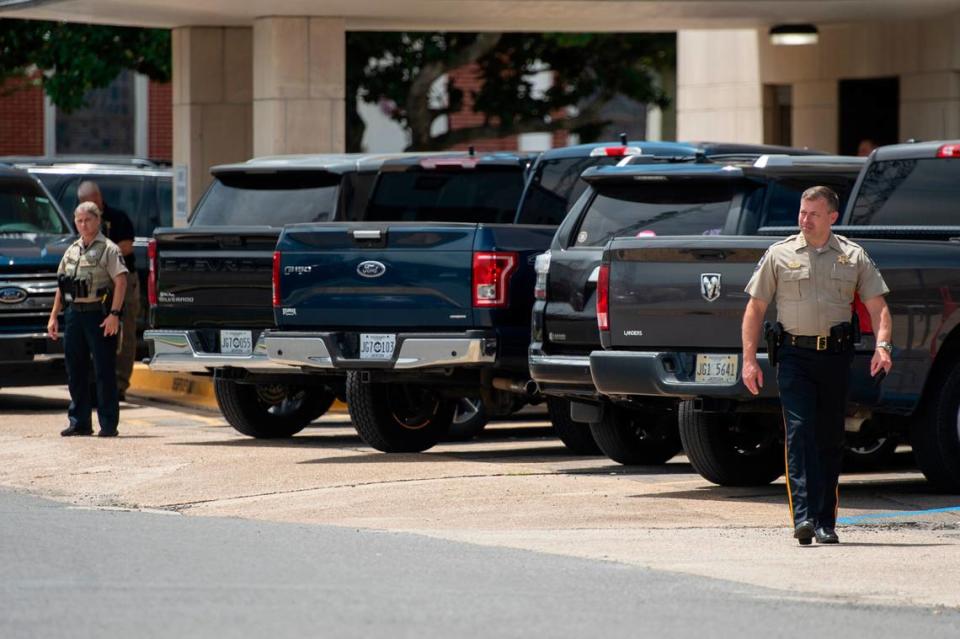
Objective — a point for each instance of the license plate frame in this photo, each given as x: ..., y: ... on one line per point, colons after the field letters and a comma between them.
x: 236, y: 342
x: 377, y: 347
x: 715, y: 369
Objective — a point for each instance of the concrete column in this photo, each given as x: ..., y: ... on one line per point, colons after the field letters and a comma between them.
x: 299, y: 83
x: 212, y: 101
x: 719, y: 91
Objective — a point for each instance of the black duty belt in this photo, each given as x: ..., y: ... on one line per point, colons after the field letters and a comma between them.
x: 828, y: 343
x: 86, y: 306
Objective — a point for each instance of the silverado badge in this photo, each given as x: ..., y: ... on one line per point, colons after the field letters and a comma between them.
x: 371, y: 268
x: 710, y: 286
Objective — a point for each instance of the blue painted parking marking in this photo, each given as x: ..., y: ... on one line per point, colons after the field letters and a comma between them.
x: 903, y: 513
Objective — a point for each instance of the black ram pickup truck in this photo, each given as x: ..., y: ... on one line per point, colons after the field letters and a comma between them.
x: 730, y: 194
x: 209, y: 284
x: 672, y: 309
x: 429, y: 299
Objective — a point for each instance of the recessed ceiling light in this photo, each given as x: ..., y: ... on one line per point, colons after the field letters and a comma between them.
x: 793, y: 34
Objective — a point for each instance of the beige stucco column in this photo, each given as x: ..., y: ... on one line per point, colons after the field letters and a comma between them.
x: 212, y: 101
x: 299, y: 79
x: 719, y: 91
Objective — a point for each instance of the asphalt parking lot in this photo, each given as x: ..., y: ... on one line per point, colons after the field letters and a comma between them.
x: 514, y: 488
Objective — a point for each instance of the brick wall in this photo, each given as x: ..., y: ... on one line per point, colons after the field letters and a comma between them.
x: 160, y: 122
x: 21, y: 118
x: 467, y: 78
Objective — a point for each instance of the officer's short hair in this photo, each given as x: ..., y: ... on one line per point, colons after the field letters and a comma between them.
x: 824, y: 193
x: 88, y: 207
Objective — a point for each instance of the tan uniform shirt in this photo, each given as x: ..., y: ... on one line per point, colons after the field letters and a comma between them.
x: 97, y: 264
x: 813, y: 290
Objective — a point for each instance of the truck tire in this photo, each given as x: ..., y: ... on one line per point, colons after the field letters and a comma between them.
x: 469, y: 420
x: 936, y: 436
x: 870, y: 455
x: 637, y: 438
x: 397, y: 418
x: 270, y: 411
x: 732, y: 450
x: 575, y: 436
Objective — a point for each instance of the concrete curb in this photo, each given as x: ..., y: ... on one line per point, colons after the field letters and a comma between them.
x: 187, y: 389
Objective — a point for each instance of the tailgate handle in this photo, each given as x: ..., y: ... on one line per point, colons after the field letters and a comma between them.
x: 367, y: 234
x: 709, y: 254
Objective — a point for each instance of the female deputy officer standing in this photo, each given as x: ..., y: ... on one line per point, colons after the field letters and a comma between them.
x: 92, y: 282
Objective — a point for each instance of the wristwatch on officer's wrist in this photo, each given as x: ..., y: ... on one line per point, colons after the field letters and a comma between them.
x: 116, y: 312
x: 887, y: 346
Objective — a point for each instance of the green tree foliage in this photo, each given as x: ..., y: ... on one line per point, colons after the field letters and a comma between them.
x: 397, y: 71
x: 70, y: 59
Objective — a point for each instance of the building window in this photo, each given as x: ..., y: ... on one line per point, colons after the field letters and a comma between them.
x: 778, y: 114
x: 113, y: 122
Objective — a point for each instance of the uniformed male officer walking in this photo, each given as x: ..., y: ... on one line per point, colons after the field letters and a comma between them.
x: 813, y: 277
x: 92, y: 282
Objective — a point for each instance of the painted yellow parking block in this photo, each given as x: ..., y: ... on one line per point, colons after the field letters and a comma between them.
x: 182, y: 388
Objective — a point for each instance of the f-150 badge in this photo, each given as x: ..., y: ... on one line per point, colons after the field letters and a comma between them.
x: 710, y: 286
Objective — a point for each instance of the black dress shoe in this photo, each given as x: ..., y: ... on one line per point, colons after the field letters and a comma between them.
x: 75, y: 431
x: 826, y: 535
x: 107, y: 433
x: 803, y: 532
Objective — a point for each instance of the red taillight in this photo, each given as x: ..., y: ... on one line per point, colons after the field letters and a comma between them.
x: 616, y: 151
x: 949, y: 151
x: 491, y: 278
x: 863, y: 316
x: 603, y: 297
x: 276, y: 278
x: 152, y: 298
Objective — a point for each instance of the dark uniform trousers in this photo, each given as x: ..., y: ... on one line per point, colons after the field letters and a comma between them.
x: 82, y: 338
x: 813, y: 393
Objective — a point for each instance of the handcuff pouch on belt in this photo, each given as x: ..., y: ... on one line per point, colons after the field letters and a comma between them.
x: 773, y: 336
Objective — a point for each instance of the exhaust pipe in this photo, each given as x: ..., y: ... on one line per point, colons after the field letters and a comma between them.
x: 527, y: 388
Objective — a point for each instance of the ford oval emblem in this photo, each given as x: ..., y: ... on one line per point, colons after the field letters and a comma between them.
x: 371, y: 268
x: 12, y: 295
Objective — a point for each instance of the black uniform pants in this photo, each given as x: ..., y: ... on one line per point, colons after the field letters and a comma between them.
x: 813, y: 393
x: 82, y: 339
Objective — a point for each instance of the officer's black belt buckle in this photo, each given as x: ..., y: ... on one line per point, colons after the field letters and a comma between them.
x: 822, y: 342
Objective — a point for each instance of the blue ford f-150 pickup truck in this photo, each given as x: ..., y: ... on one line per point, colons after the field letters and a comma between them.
x: 671, y: 309
x: 33, y: 236
x: 416, y: 312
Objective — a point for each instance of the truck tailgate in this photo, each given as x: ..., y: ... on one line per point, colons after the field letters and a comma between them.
x: 376, y: 275
x: 680, y: 293
x: 213, y: 276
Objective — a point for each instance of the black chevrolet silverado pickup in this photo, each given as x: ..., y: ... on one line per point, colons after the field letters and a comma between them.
x: 672, y: 308
x: 731, y: 194
x: 209, y: 283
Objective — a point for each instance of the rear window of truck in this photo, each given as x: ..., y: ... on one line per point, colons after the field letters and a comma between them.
x: 473, y: 195
x: 267, y: 200
x: 661, y: 208
x: 554, y: 186
x: 25, y: 208
x: 909, y: 193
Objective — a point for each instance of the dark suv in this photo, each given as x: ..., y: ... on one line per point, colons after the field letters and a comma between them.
x: 34, y: 233
x: 697, y: 198
x: 141, y: 188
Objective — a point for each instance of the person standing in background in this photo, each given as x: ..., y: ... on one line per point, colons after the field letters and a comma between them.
x: 118, y: 228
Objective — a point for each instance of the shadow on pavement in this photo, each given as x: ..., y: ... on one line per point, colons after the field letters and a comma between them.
x: 12, y: 403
